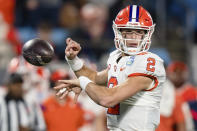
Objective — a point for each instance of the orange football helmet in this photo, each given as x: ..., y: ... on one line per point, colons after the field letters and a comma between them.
x: 137, y: 18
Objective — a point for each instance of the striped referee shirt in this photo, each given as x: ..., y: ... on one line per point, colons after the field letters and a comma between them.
x: 20, y: 112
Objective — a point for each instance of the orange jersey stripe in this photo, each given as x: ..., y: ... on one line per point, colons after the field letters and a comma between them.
x: 146, y: 75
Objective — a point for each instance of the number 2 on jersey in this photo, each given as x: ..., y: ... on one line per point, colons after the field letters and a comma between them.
x: 113, y: 110
x: 150, y: 64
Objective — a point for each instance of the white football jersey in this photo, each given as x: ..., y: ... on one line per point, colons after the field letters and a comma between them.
x: 140, y: 112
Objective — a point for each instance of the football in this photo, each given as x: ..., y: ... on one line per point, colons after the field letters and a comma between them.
x: 38, y: 52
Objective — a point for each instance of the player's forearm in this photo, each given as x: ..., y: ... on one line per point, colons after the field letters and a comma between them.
x: 109, y: 97
x: 102, y: 95
x: 85, y: 71
x: 99, y: 78
x: 80, y: 69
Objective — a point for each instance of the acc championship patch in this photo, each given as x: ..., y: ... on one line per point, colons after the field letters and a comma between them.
x: 130, y: 60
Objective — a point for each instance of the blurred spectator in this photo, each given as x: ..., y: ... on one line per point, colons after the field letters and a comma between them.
x: 17, y: 113
x: 55, y: 36
x: 62, y: 114
x: 49, y: 10
x: 32, y: 12
x: 45, y: 30
x: 93, y: 33
x: 105, y: 2
x: 79, y: 3
x: 69, y: 16
x: 171, y: 112
x: 26, y: 13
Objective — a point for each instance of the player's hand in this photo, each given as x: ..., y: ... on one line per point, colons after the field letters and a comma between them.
x: 65, y: 86
x: 77, y: 91
x: 72, y: 48
x: 70, y: 83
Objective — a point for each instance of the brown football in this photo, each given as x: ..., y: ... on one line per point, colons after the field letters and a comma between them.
x: 38, y: 52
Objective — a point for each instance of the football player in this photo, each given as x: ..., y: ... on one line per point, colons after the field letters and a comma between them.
x: 134, y: 76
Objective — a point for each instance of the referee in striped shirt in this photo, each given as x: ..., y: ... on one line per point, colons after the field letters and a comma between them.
x: 16, y: 112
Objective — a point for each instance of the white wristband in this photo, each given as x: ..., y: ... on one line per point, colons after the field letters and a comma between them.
x: 75, y: 64
x: 84, y: 81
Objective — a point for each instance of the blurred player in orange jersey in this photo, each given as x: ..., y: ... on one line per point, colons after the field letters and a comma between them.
x: 178, y: 73
x: 135, y: 76
x: 36, y: 79
x: 62, y: 114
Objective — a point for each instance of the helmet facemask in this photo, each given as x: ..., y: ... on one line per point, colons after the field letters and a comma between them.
x: 142, y: 44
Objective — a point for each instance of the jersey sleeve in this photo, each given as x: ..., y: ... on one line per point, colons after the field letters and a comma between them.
x: 112, y: 55
x: 149, y: 65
